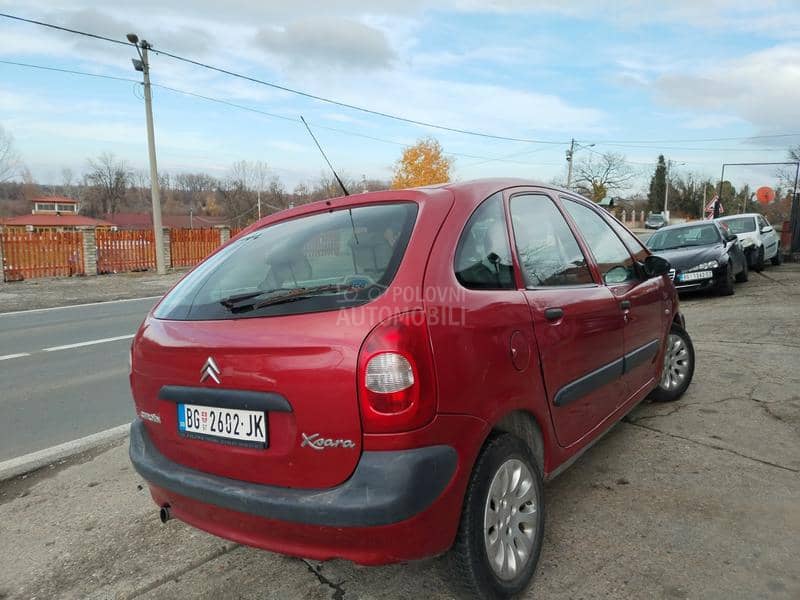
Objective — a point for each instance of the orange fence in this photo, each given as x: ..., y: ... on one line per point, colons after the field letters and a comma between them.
x: 236, y: 231
x: 188, y: 247
x: 41, y: 254
x: 119, y: 251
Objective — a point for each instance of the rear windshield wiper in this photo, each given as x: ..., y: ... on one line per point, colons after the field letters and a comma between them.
x: 232, y: 301
x: 239, y: 303
x: 303, y: 293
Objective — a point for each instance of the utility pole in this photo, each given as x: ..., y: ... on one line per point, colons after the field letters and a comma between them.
x: 570, y: 153
x: 258, y: 196
x: 143, y: 65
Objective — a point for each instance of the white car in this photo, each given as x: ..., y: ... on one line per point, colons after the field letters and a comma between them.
x: 759, y: 239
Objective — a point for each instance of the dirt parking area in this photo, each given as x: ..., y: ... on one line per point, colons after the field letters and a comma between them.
x: 696, y: 499
x: 48, y: 292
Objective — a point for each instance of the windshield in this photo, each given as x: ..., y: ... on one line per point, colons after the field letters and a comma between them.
x: 655, y: 218
x: 323, y: 261
x: 740, y: 224
x: 692, y: 235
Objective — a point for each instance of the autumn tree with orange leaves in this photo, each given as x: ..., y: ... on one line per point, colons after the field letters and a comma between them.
x: 422, y: 164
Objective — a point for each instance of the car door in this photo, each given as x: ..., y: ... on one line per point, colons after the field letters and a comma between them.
x: 641, y: 300
x: 769, y: 237
x: 577, y: 322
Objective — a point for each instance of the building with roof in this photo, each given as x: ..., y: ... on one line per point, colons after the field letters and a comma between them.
x: 145, y: 221
x: 53, y: 213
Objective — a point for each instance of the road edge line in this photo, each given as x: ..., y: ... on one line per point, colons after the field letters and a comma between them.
x: 34, y: 310
x: 41, y: 458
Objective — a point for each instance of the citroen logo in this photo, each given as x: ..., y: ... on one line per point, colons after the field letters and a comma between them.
x: 210, y: 369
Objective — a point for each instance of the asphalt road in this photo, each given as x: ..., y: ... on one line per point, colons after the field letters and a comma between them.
x: 64, y: 373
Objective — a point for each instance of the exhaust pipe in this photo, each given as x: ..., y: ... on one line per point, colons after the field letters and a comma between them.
x: 164, y: 514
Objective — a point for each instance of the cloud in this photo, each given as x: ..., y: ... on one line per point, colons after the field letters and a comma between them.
x: 332, y: 41
x: 759, y: 87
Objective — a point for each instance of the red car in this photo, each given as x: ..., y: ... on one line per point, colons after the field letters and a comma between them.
x: 388, y: 376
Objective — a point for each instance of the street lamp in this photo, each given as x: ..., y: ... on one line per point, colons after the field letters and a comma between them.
x: 143, y: 66
x: 666, y: 188
x: 570, y: 154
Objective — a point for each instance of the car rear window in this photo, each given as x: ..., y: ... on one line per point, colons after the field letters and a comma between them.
x: 740, y: 224
x: 324, y: 261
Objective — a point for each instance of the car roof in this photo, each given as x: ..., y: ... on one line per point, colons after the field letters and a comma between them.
x: 471, y: 192
x: 687, y: 224
x: 728, y: 217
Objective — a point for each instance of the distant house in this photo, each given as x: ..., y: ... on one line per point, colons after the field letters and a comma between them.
x: 53, y: 205
x: 53, y: 213
x: 145, y: 221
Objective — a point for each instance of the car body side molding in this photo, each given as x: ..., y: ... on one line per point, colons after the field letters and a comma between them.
x: 641, y: 355
x: 606, y: 374
x: 589, y: 382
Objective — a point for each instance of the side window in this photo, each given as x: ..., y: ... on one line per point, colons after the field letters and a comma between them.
x: 547, y: 249
x: 483, y: 256
x: 613, y: 258
x: 762, y: 222
x: 633, y: 243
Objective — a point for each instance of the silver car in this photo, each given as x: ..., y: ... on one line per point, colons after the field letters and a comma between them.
x: 759, y: 239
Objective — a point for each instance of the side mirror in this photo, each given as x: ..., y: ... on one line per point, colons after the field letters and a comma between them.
x: 731, y: 237
x: 655, y: 266
x: 767, y: 229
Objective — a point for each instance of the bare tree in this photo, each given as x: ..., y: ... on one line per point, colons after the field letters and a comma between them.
x: 9, y: 158
x: 67, y: 182
x: 109, y: 179
x: 598, y: 174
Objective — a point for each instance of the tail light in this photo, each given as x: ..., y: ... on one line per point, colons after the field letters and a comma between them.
x: 396, y: 385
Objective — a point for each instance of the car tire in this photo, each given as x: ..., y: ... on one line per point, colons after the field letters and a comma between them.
x: 678, y: 367
x: 501, y: 518
x: 726, y: 288
x: 758, y: 261
x: 778, y: 258
x: 744, y: 274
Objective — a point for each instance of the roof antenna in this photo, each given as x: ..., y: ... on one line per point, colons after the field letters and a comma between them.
x: 341, y: 185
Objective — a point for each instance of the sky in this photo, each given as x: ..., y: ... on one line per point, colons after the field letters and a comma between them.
x: 629, y: 76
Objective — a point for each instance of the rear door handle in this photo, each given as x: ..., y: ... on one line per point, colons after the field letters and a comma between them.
x: 553, y: 314
x: 625, y: 305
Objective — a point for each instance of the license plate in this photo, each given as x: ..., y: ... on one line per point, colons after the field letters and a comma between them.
x: 695, y: 276
x: 226, y: 425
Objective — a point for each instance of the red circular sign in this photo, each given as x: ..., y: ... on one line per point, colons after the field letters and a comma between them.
x: 765, y: 194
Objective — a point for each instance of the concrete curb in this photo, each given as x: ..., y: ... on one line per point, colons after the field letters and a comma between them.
x: 36, y: 460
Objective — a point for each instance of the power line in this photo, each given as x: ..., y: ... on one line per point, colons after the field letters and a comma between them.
x: 381, y: 113
x: 688, y: 141
x: 66, y: 29
x: 259, y: 111
x: 68, y: 71
x: 292, y: 90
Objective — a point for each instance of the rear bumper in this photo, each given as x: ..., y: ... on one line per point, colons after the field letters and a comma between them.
x: 387, y: 487
x: 427, y: 533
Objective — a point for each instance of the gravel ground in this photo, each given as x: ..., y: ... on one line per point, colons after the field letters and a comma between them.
x: 65, y: 291
x: 696, y: 499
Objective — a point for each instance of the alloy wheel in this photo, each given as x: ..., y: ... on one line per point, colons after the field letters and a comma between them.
x: 676, y: 363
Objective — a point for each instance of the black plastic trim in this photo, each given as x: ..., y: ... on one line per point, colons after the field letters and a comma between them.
x: 224, y: 398
x: 606, y: 374
x: 641, y: 355
x: 589, y: 382
x: 386, y: 487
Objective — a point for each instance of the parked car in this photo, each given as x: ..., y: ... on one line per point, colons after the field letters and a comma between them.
x: 703, y: 255
x: 387, y: 376
x: 759, y: 239
x: 655, y: 221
